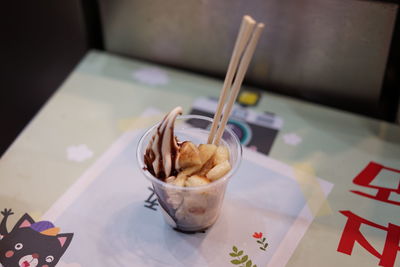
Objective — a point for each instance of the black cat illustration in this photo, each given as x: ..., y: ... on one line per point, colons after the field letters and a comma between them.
x: 30, y: 243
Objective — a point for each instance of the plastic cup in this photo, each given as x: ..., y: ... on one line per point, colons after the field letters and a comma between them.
x: 191, y: 209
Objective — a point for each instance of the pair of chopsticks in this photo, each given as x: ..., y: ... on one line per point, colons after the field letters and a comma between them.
x: 243, y: 51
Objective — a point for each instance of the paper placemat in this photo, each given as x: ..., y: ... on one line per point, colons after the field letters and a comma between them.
x: 116, y: 222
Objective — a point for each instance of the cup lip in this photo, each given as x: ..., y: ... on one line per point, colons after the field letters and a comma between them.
x: 140, y: 161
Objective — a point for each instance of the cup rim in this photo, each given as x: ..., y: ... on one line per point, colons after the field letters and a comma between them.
x: 140, y: 161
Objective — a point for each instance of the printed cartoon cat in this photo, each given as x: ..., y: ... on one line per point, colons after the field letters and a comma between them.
x: 30, y: 243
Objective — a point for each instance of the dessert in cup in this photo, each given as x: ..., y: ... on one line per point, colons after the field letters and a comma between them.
x: 188, y: 175
x: 190, y: 167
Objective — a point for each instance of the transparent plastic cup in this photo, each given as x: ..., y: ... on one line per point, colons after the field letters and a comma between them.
x: 192, y: 209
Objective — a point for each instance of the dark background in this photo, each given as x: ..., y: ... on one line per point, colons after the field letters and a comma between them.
x: 42, y: 41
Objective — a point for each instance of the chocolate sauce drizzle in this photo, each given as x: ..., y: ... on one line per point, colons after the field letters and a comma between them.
x: 150, y: 156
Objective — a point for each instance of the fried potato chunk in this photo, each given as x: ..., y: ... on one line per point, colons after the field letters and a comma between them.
x: 221, y: 155
x: 196, y: 180
x: 219, y: 170
x: 189, y: 155
x: 206, y: 152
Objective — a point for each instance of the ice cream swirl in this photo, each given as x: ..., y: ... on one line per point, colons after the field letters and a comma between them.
x: 162, y: 152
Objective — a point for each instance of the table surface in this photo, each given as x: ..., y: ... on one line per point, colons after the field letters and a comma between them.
x: 100, y: 100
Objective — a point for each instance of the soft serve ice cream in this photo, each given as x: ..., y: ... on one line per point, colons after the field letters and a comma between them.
x: 163, y: 148
x: 183, y: 163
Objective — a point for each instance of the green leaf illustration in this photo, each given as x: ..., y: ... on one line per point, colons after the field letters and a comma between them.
x: 262, y: 248
x: 259, y: 242
x: 245, y: 257
x: 266, y: 245
x: 241, y: 261
x: 263, y: 240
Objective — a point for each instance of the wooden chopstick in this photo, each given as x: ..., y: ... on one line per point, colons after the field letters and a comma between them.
x: 244, y: 64
x: 244, y: 35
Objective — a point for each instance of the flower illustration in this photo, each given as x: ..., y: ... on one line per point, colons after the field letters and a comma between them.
x: 292, y: 139
x: 261, y: 240
x: 79, y: 153
x: 151, y: 76
x: 257, y: 235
